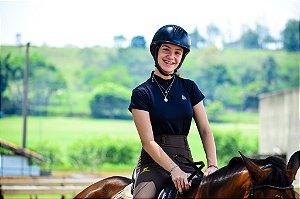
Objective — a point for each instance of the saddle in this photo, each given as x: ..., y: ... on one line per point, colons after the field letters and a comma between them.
x: 169, y: 192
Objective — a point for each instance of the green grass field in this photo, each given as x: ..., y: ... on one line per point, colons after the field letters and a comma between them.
x: 62, y: 132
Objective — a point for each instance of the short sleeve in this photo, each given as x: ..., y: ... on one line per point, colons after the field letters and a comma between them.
x: 196, y: 95
x: 139, y: 100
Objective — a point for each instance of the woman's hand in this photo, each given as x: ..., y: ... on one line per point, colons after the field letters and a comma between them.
x: 180, y: 180
x: 210, y: 169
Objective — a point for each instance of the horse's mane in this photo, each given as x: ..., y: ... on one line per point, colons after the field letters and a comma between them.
x: 277, y: 176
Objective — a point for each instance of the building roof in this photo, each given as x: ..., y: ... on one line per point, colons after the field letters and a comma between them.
x: 20, y: 151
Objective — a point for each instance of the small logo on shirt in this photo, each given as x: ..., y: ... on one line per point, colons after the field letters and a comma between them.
x: 145, y: 169
x: 183, y: 97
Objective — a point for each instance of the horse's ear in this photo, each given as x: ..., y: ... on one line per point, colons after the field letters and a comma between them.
x: 256, y: 174
x: 293, y: 165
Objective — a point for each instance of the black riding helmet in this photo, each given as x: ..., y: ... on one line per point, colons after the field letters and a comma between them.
x: 172, y: 34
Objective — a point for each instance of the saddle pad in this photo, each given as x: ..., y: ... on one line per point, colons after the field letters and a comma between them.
x: 124, y: 193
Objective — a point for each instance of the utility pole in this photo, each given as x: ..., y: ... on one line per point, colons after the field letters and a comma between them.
x: 25, y: 94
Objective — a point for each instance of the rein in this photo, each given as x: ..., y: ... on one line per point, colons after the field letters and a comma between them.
x: 191, y: 163
x: 170, y: 191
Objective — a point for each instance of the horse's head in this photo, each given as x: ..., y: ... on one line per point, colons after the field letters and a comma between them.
x: 273, y: 179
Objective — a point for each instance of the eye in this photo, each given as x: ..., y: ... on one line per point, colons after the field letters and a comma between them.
x: 178, y: 53
x: 165, y: 49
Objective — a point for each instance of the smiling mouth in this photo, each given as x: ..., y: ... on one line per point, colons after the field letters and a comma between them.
x: 169, y: 63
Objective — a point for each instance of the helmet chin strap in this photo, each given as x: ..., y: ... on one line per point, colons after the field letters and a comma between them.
x: 163, y: 72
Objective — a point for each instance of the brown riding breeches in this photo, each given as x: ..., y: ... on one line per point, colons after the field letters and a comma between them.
x: 152, y: 178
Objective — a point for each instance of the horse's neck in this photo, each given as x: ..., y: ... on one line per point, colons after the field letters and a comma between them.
x: 232, y: 186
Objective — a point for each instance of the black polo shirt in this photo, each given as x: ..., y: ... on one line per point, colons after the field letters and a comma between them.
x: 173, y: 116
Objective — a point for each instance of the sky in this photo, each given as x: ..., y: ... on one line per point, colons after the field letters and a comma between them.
x: 88, y: 23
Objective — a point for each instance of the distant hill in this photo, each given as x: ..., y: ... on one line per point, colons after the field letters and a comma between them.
x: 233, y: 77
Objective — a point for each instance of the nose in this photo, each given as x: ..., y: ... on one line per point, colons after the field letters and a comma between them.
x: 171, y: 54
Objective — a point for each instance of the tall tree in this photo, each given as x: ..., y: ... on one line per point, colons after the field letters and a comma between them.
x: 213, y: 32
x: 270, y: 70
x: 119, y: 41
x: 214, y: 76
x: 197, y: 39
x: 11, y: 76
x: 264, y: 36
x: 249, y: 39
x: 291, y: 36
x: 46, y: 81
x: 138, y: 42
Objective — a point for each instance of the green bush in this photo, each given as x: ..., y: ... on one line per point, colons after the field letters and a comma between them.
x: 96, y: 152
x: 214, y: 110
x: 51, y: 154
x: 112, y: 153
x: 110, y: 101
x: 228, y: 146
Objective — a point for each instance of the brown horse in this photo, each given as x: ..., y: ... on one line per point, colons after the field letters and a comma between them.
x: 241, y: 178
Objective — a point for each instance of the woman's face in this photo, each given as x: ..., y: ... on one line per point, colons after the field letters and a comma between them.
x: 169, y: 57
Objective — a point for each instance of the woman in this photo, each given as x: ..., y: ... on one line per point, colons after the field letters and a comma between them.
x: 163, y: 108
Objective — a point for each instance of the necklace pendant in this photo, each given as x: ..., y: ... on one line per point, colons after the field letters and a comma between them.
x: 166, y: 100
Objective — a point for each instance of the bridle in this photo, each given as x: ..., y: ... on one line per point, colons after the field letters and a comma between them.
x: 253, y: 188
x: 263, y: 186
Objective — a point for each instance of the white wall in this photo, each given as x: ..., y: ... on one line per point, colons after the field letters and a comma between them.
x: 17, y: 166
x: 279, y: 118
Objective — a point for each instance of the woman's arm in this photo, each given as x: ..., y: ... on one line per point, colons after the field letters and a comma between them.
x: 144, y: 128
x: 207, y: 137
